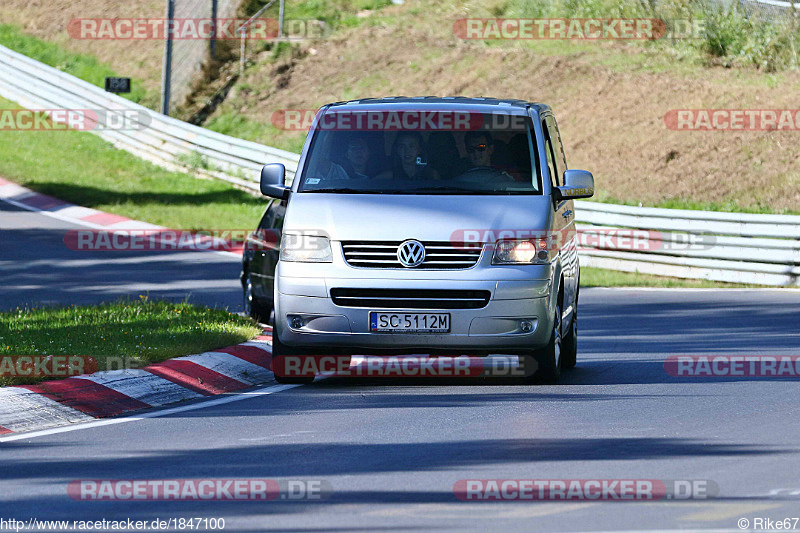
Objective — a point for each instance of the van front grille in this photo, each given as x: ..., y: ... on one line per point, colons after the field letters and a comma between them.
x: 438, y: 255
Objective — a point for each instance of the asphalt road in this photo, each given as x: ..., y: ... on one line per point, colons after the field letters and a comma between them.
x: 393, y: 450
x: 37, y: 268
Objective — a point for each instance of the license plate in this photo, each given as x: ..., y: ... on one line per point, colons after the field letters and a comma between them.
x: 409, y: 322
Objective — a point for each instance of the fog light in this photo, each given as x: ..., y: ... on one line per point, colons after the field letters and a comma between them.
x: 526, y: 326
x: 296, y: 322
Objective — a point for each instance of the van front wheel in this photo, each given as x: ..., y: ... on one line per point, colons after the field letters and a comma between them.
x: 548, y: 359
x: 569, y: 346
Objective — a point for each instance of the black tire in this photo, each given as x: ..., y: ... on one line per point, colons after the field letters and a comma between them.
x: 254, y: 307
x: 569, y: 346
x: 549, y: 359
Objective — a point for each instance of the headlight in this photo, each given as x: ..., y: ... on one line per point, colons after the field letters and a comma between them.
x: 306, y: 249
x: 512, y: 252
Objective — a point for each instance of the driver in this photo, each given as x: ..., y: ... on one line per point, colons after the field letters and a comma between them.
x: 480, y: 147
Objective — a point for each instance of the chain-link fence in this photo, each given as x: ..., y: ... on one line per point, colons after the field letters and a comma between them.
x: 189, y: 55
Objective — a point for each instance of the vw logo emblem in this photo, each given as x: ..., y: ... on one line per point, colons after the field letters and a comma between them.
x: 411, y: 253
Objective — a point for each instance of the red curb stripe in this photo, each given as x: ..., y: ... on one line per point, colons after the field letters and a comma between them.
x: 104, y: 219
x: 3, y: 430
x: 88, y: 397
x: 251, y: 354
x: 264, y: 338
x: 5, y: 182
x: 44, y: 202
x: 195, y: 377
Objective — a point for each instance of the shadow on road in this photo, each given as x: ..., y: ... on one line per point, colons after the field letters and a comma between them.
x: 320, y: 460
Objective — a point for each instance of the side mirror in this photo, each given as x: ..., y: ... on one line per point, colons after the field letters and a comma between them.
x: 273, y: 178
x: 577, y: 184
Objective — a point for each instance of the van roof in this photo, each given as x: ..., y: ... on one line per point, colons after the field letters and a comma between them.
x: 455, y: 102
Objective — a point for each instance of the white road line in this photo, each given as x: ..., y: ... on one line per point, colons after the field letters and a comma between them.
x: 228, y: 398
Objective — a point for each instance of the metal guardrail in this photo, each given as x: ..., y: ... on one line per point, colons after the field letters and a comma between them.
x: 769, y: 10
x: 732, y: 247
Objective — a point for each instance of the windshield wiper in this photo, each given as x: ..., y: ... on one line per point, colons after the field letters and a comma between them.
x: 443, y: 190
x: 344, y: 190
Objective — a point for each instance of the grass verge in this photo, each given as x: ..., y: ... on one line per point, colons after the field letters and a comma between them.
x: 84, y: 169
x: 124, y: 333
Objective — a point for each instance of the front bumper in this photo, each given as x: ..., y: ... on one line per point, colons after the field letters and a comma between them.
x: 304, y: 289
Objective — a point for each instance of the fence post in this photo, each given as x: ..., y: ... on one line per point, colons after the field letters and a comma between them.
x: 280, y: 19
x: 166, y: 72
x: 213, y: 43
x: 243, y: 32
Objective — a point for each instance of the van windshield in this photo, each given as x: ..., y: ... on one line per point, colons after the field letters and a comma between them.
x: 422, y: 152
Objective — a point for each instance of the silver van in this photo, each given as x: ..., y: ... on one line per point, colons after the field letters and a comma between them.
x: 429, y: 225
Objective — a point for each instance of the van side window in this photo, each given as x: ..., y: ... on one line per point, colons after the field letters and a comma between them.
x: 548, y: 149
